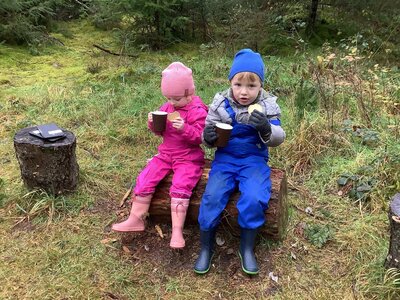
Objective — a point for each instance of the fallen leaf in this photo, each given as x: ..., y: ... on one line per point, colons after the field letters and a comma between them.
x: 293, y: 255
x: 159, y: 231
x: 146, y: 248
x: 108, y: 240
x: 331, y: 56
x: 220, y: 240
x: 126, y: 249
x: 308, y: 210
x: 273, y: 277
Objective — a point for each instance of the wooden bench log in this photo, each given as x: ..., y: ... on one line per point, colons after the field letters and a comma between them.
x: 276, y: 215
x: 50, y: 166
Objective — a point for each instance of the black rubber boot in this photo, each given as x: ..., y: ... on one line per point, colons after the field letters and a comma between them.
x: 207, y: 241
x: 246, y: 251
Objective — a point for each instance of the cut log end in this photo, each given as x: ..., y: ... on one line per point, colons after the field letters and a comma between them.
x: 50, y: 166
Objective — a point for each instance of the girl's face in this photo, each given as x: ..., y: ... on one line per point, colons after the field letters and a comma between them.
x: 245, y: 90
x: 178, y: 102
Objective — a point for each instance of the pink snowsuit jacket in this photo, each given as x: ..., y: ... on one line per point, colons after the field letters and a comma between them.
x: 180, y: 152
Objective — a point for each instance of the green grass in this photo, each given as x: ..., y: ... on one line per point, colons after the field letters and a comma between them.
x: 50, y: 248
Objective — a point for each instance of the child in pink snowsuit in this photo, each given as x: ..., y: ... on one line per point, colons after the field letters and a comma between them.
x: 180, y: 153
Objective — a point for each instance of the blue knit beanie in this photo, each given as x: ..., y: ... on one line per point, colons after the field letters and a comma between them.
x: 246, y: 60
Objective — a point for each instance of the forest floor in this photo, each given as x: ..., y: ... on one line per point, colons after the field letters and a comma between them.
x: 63, y: 248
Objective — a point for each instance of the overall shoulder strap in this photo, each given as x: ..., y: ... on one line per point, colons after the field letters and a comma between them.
x: 230, y: 111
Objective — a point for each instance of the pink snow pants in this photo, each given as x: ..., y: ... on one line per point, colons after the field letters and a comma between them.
x: 185, y: 177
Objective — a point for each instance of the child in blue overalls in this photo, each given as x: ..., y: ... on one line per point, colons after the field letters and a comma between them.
x: 243, y: 162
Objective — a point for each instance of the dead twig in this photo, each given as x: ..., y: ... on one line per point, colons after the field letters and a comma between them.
x: 306, y: 194
x: 309, y: 213
x: 85, y: 6
x: 114, y: 53
x: 128, y: 192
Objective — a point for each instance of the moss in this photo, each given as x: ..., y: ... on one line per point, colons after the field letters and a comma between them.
x: 107, y: 111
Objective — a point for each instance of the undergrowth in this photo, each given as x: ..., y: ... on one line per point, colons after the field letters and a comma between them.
x: 340, y: 113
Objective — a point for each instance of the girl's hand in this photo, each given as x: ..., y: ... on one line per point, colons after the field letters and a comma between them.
x: 150, y: 117
x: 178, y: 123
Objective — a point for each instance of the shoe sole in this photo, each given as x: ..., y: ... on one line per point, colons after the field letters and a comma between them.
x: 177, y: 246
x: 128, y: 230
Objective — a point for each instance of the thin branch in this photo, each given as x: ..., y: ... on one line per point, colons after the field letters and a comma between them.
x: 113, y: 53
x: 85, y: 6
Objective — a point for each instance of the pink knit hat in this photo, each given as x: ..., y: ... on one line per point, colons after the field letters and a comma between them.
x: 177, y: 81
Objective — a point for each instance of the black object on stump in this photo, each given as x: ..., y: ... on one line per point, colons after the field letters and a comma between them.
x: 51, y: 166
x: 393, y: 257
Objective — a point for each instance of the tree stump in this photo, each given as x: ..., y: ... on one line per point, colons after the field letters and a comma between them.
x: 50, y: 166
x: 393, y: 257
x: 276, y: 214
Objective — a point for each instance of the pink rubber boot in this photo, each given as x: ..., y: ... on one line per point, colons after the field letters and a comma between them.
x: 179, y: 207
x: 135, y: 221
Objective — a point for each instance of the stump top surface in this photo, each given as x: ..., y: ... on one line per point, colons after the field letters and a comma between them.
x: 23, y: 137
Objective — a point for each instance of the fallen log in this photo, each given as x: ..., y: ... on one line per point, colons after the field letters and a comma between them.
x: 393, y: 257
x: 276, y: 215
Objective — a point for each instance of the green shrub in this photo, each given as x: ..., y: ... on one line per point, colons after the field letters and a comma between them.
x: 27, y: 22
x: 318, y: 235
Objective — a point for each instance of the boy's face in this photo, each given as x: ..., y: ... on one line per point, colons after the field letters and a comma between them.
x: 244, y: 90
x: 178, y: 102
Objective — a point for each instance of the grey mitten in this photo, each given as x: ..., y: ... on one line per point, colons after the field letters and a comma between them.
x: 209, y: 134
x: 260, y: 122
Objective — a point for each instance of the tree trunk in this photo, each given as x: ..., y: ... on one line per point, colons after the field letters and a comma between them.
x: 50, y: 166
x: 393, y: 257
x: 276, y: 215
x: 158, y: 27
x: 312, y: 17
x: 204, y: 23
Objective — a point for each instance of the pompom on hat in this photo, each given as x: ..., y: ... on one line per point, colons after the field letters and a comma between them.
x: 246, y: 60
x: 177, y: 81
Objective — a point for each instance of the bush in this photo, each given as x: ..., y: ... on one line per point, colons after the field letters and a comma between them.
x: 27, y: 22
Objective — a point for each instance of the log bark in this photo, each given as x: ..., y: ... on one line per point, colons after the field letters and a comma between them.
x: 276, y: 214
x: 50, y: 166
x: 393, y: 257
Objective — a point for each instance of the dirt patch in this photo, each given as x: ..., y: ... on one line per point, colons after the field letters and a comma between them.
x: 150, y: 247
x: 24, y: 225
x: 104, y: 207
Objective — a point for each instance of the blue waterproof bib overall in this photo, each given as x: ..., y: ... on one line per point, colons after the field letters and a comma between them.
x: 242, y: 163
